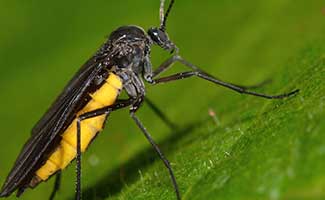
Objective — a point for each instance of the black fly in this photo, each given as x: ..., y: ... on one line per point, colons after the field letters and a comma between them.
x: 125, y: 59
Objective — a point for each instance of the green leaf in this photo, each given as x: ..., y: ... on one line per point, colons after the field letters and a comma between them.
x: 266, y: 149
x: 252, y: 148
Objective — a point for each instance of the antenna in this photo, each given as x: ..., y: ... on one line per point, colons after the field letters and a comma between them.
x: 163, y: 17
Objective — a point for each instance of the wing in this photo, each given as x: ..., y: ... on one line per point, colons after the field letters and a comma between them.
x: 80, y: 77
x: 45, y: 133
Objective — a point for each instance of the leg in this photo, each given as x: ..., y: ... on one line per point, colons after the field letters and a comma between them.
x: 106, y: 110
x: 199, y: 73
x: 136, y: 92
x: 165, y: 66
x: 160, y: 114
x: 169, y: 62
x: 159, y: 152
x: 57, y: 184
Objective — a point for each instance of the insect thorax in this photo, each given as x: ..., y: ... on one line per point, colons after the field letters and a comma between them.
x: 132, y: 47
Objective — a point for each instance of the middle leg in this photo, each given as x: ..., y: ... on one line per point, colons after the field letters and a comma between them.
x: 156, y: 148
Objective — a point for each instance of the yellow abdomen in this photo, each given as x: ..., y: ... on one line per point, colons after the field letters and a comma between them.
x: 105, y: 96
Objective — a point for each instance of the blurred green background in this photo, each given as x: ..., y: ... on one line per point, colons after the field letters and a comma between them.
x: 256, y: 149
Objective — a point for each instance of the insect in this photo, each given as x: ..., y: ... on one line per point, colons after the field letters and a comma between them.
x: 80, y: 111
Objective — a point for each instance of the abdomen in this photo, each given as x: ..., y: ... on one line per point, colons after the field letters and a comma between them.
x: 66, y: 151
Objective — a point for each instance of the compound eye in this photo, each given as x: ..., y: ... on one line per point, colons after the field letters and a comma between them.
x: 158, y: 36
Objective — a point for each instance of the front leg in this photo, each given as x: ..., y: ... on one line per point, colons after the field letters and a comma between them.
x: 195, y: 71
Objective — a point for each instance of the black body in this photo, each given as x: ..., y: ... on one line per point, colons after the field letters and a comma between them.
x: 125, y: 54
